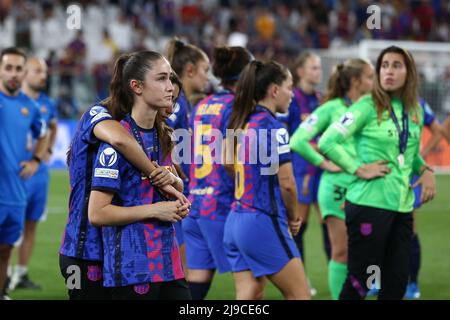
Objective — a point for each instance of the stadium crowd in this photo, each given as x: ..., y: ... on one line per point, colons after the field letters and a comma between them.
x: 80, y: 61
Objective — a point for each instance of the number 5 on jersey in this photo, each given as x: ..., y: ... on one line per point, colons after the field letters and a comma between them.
x: 203, y: 151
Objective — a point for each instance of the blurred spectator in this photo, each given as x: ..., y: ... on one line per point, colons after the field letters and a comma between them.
x: 236, y: 36
x: 121, y: 32
x: 67, y: 69
x: 270, y: 29
x: 7, y: 25
x: 47, y: 33
x: 77, y: 49
x: 66, y: 104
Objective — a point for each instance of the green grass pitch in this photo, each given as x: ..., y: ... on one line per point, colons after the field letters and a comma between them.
x: 433, y: 225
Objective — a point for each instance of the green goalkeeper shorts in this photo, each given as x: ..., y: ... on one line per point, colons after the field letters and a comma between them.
x: 331, y: 195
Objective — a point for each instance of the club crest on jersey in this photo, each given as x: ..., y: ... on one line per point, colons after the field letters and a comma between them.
x: 44, y: 109
x: 94, y: 273
x: 24, y: 111
x: 365, y: 229
x: 347, y: 119
x: 108, y: 157
x: 142, y: 289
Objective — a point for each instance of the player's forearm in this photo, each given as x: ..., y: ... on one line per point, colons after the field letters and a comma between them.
x: 446, y: 129
x: 302, y: 146
x: 418, y: 164
x: 288, y: 189
x: 436, y: 136
x: 41, y: 147
x: 112, y: 132
x: 289, y: 195
x: 178, y: 185
x: 52, y: 131
x: 330, y: 145
x: 111, y: 215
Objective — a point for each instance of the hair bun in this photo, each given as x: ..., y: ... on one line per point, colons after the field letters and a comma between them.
x: 223, y: 54
x: 179, y: 44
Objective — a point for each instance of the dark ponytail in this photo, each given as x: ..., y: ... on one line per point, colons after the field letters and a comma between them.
x: 120, y: 99
x: 252, y: 87
x: 229, y: 63
x: 180, y: 54
x: 341, y: 78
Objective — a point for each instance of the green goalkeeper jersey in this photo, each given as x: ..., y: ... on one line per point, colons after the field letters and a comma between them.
x: 314, y: 125
x: 376, y: 140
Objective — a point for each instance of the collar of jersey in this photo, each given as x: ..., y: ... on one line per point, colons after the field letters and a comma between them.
x: 263, y: 108
x: 130, y: 119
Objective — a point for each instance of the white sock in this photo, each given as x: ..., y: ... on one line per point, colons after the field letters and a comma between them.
x: 9, y: 271
x: 20, y: 270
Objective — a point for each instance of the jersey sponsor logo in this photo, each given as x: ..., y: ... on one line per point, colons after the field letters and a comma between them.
x: 108, y: 157
x: 347, y: 119
x: 100, y: 116
x: 284, y: 149
x: 202, y: 191
x: 96, y: 110
x: 24, y: 111
x: 106, y: 173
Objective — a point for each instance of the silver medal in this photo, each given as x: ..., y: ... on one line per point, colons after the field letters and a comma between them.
x: 401, y: 160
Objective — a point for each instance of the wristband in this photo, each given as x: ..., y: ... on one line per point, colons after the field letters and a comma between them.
x: 37, y: 159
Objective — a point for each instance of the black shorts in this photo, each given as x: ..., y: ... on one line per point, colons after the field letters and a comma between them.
x: 378, y: 240
x: 83, y: 279
x: 170, y: 290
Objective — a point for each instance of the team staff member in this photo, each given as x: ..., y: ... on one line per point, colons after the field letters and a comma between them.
x: 141, y: 258
x: 37, y: 185
x: 211, y: 187
x: 19, y: 115
x: 258, y: 230
x: 385, y: 125
x: 348, y: 82
x: 82, y: 244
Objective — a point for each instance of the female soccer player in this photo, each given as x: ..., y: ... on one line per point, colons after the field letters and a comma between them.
x: 191, y: 64
x: 386, y: 126
x: 347, y: 84
x: 257, y: 235
x: 307, y: 74
x: 141, y: 257
x: 211, y: 187
x: 81, y: 244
